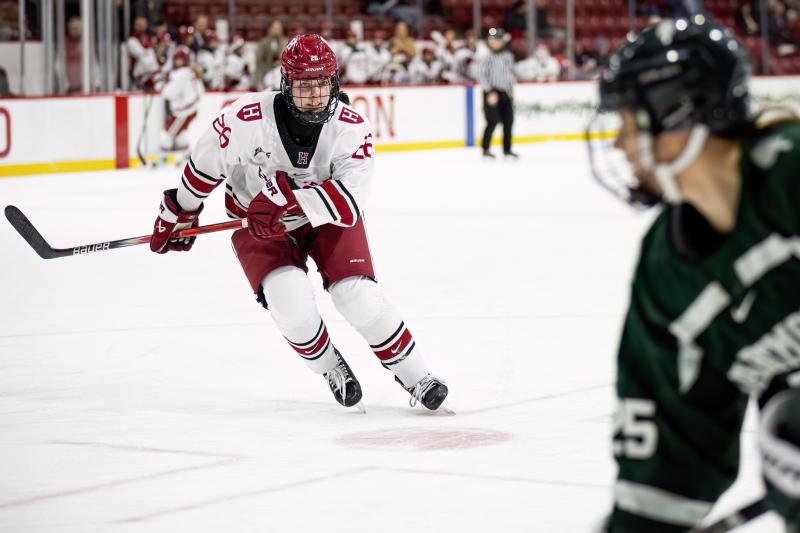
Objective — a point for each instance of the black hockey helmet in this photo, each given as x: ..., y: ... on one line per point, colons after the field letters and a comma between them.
x: 678, y: 74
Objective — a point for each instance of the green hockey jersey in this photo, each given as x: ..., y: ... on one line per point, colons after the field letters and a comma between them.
x: 712, y: 319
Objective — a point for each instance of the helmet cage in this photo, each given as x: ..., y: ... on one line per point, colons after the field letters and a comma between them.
x: 608, y: 163
x: 306, y: 116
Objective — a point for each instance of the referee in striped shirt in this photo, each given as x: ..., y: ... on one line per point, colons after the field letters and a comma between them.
x: 496, y: 76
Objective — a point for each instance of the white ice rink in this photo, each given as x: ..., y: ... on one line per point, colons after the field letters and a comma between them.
x: 141, y: 392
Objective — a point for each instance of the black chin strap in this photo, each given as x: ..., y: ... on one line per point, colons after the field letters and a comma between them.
x: 301, y: 132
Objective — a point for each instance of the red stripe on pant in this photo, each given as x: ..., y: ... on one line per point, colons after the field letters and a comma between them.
x: 186, y: 121
x: 313, y: 351
x: 339, y: 201
x: 396, y: 348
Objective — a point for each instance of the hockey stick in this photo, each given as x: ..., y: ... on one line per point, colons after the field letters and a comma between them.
x: 45, y: 251
x: 148, y: 99
x: 735, y: 519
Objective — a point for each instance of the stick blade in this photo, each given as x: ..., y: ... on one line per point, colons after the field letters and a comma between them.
x: 29, y: 233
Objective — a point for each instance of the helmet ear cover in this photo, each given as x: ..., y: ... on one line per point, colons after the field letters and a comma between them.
x: 309, y: 57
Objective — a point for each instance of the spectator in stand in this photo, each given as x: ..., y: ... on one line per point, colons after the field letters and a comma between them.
x: 354, y: 60
x: 379, y: 57
x: 200, y: 26
x: 72, y: 80
x: 5, y: 88
x: 425, y: 68
x: 648, y: 8
x: 237, y: 72
x: 586, y: 66
x: 272, y: 79
x: 211, y: 59
x: 678, y: 9
x: 165, y: 47
x: 745, y: 18
x: 468, y: 56
x: 602, y: 51
x: 144, y: 63
x: 516, y: 19
x: 185, y: 37
x: 346, y: 49
x: 9, y: 21
x: 267, y: 50
x: 403, y: 44
x: 446, y: 50
x: 540, y: 67
x: 778, y: 29
x: 336, y: 45
x: 397, y: 9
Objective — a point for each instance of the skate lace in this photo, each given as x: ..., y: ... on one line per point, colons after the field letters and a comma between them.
x: 419, y: 390
x: 337, y: 377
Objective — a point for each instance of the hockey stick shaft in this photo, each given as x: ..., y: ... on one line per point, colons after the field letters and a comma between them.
x: 32, y: 236
x: 735, y: 519
x: 148, y: 103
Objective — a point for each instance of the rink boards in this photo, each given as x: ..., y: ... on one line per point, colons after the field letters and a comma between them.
x: 62, y: 134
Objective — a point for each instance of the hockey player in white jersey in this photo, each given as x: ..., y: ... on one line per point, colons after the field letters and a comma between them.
x: 298, y: 165
x: 182, y: 91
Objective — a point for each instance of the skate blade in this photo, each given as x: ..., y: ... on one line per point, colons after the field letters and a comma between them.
x: 445, y: 409
x: 361, y: 408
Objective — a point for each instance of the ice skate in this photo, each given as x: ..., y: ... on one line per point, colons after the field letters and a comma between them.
x: 343, y: 383
x: 429, y: 391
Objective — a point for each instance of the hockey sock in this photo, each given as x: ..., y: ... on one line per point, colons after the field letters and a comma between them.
x: 362, y: 304
x: 290, y: 298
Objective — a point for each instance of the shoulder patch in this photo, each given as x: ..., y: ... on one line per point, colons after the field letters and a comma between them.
x: 766, y: 152
x: 350, y: 116
x: 250, y: 112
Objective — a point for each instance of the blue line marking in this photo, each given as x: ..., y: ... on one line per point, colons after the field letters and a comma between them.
x: 470, y: 117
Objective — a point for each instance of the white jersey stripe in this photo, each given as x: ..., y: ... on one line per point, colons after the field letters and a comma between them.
x: 657, y: 504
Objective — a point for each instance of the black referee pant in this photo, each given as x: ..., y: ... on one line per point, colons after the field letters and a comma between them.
x: 502, y: 112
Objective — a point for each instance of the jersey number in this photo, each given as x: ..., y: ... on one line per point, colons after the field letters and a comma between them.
x: 365, y: 150
x: 223, y: 131
x: 635, y: 433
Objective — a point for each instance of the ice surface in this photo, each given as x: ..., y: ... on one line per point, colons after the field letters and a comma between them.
x: 141, y: 392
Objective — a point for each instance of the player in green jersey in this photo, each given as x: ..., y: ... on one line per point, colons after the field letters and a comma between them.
x: 714, y: 314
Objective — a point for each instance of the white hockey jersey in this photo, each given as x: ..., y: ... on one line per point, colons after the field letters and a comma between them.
x: 213, y: 65
x: 245, y: 143
x: 183, y: 91
x: 144, y: 63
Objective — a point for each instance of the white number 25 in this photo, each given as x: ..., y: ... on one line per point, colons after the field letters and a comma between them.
x: 635, y: 434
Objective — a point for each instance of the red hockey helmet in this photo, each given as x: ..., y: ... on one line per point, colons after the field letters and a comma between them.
x: 182, y: 53
x: 309, y: 58
x: 209, y: 35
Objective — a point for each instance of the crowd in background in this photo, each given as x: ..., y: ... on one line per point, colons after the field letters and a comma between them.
x: 780, y: 15
x: 381, y: 56
x: 397, y: 58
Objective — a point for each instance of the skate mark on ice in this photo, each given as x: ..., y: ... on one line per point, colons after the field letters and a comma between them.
x: 535, y: 399
x: 491, y: 477
x: 420, y: 438
x: 114, y: 484
x: 345, y: 473
x: 144, y: 449
x: 246, y: 494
